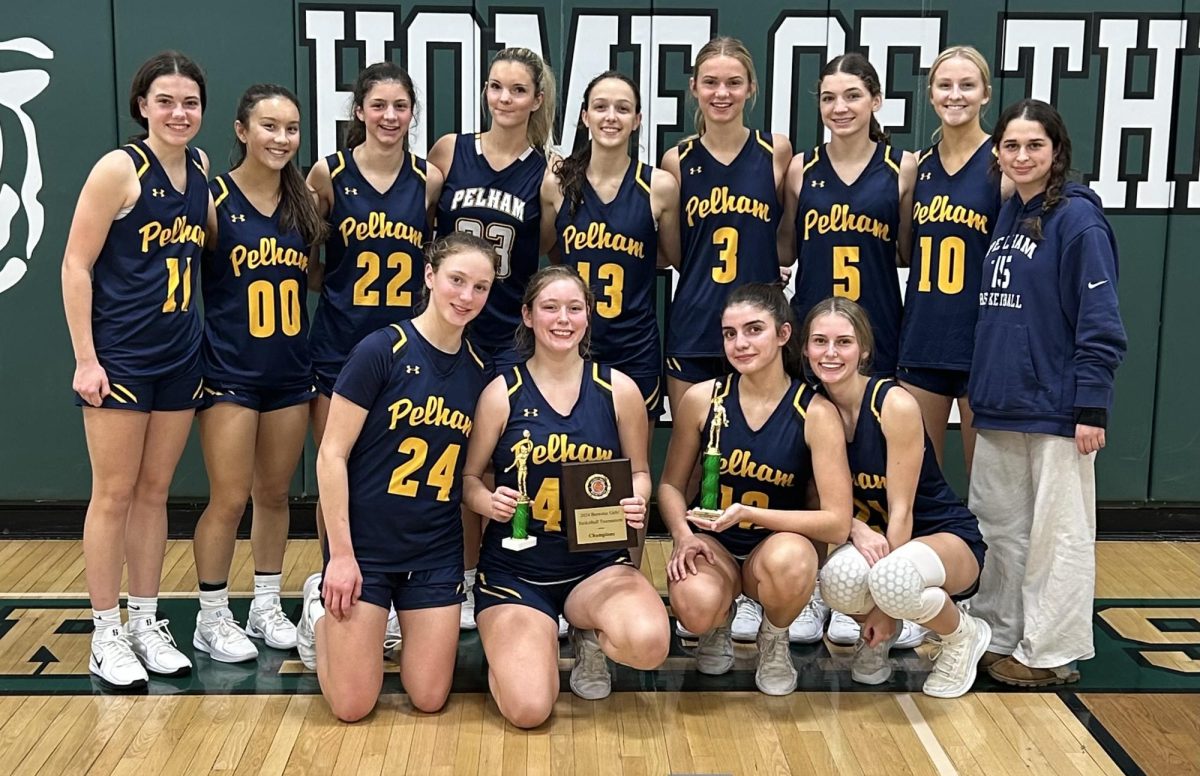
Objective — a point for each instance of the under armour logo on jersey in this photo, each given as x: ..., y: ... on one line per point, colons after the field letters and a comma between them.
x: 695, y: 170
x: 530, y: 413
x: 158, y: 192
x: 412, y: 369
x: 926, y: 176
x: 817, y: 184
x: 236, y: 217
x: 350, y: 192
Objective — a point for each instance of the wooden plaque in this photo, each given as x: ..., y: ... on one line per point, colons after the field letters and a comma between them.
x: 590, y: 496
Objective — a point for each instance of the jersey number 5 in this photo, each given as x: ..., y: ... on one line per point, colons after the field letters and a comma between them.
x: 440, y: 476
x: 845, y: 272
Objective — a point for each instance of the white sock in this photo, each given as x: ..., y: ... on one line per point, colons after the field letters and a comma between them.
x: 213, y: 600
x: 266, y: 586
x: 771, y: 627
x: 960, y: 632
x: 469, y: 578
x: 103, y: 619
x: 141, y: 608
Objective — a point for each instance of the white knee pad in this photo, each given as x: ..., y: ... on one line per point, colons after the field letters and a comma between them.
x: 907, y: 583
x: 844, y: 583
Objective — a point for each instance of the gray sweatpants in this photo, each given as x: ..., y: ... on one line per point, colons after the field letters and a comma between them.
x: 1035, y: 497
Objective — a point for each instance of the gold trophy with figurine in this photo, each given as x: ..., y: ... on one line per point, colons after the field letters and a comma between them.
x: 520, y: 538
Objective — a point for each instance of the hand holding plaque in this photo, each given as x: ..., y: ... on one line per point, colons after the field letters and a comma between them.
x: 520, y: 538
x: 590, y: 494
x: 710, y: 464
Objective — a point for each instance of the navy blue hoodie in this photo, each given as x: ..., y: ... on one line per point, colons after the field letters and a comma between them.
x: 1049, y: 336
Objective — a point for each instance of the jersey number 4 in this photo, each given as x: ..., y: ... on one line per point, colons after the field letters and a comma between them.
x: 440, y: 476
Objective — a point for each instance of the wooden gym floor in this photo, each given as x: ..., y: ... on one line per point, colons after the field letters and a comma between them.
x: 1137, y: 709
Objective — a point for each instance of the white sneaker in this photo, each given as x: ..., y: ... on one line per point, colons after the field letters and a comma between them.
x: 843, y: 630
x: 270, y: 624
x: 590, y: 678
x: 911, y: 636
x: 748, y: 619
x: 563, y: 627
x: 306, y: 634
x: 155, y: 647
x: 809, y: 626
x: 955, y: 665
x: 112, y: 660
x: 466, y: 617
x: 392, y: 638
x: 683, y: 632
x: 714, y: 652
x: 871, y: 664
x: 218, y: 634
x: 776, y: 673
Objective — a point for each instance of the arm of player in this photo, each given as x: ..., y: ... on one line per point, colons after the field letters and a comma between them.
x: 111, y: 186
x: 321, y: 186
x: 491, y: 417
x: 434, y: 181
x: 787, y: 241
x: 907, y: 182
x: 782, y: 163
x: 633, y: 429
x: 343, y: 581
x: 682, y: 454
x: 664, y: 202
x: 904, y: 433
x: 551, y: 199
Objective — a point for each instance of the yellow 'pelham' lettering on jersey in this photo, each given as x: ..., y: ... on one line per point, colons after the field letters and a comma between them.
x: 840, y: 219
x: 267, y: 254
x: 560, y: 449
x: 597, y: 236
x: 433, y: 412
x: 740, y: 464
x: 180, y: 231
x: 720, y: 201
x: 378, y: 225
x: 940, y: 210
x: 868, y: 481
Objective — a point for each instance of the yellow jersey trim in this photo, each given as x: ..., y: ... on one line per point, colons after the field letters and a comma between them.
x: 145, y: 159
x: 403, y: 337
x: 471, y: 350
x: 224, y: 191
x: 877, y: 411
x: 413, y: 160
x: 340, y: 166
x: 638, y: 177
x: 770, y: 148
x: 653, y: 397
x: 596, y: 377
x: 199, y: 390
x: 887, y: 157
x: 925, y: 156
x: 687, y: 149
x: 796, y: 402
x: 118, y: 388
x: 518, y: 383
x: 816, y: 157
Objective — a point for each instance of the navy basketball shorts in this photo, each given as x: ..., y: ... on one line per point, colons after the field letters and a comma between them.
x: 496, y: 587
x: 257, y: 399
x: 697, y: 369
x: 943, y: 382
x: 651, y: 389
x: 182, y: 391
x: 405, y: 590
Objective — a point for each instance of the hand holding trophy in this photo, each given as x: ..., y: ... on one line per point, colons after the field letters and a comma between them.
x: 520, y: 538
x: 710, y: 464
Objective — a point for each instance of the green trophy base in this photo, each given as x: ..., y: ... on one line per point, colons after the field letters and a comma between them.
x: 516, y: 545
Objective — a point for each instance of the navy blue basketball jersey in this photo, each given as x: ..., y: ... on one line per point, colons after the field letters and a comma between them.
x: 374, y: 267
x: 729, y: 216
x: 953, y: 217
x: 846, y: 241
x: 144, y: 322
x: 588, y: 433
x: 255, y: 283
x: 405, y: 470
x: 768, y: 468
x: 504, y: 208
x: 935, y: 507
x: 614, y: 247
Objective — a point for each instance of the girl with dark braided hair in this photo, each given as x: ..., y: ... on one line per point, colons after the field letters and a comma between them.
x: 1048, y: 341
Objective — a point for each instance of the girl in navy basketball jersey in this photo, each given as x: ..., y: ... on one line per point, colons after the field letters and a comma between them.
x: 913, y: 547
x: 493, y: 180
x: 390, y: 472
x: 376, y: 196
x: 257, y: 371
x: 127, y: 276
x: 564, y: 408
x: 778, y: 437
x: 955, y: 203
x: 849, y: 206
x: 616, y: 221
x: 730, y: 179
